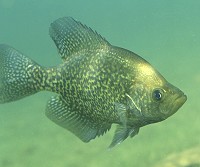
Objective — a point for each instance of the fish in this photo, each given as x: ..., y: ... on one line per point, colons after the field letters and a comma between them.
x: 96, y: 85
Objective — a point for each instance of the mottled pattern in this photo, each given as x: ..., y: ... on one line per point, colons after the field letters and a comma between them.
x: 97, y: 84
x: 15, y: 75
x: 73, y: 38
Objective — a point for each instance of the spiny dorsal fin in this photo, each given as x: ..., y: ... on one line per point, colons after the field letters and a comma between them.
x: 75, y: 121
x: 71, y: 37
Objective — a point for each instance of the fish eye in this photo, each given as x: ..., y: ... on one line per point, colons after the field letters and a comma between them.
x: 158, y: 94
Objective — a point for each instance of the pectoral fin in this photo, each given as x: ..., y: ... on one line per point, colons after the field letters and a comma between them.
x: 60, y: 112
x: 122, y: 131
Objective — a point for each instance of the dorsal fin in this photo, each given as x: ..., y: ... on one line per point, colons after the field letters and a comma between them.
x: 72, y: 37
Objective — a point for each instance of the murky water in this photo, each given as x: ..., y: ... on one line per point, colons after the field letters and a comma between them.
x: 166, y: 33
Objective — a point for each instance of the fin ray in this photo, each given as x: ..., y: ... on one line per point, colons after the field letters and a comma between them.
x: 62, y: 114
x: 16, y: 75
x: 72, y: 37
x: 123, y: 130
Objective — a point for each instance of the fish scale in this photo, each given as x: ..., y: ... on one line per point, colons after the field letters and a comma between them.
x: 96, y: 85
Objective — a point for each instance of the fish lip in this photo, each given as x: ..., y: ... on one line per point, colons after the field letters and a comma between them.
x: 178, y: 102
x: 181, y: 98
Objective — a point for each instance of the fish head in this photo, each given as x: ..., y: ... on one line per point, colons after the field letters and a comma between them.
x: 154, y: 97
x: 166, y: 100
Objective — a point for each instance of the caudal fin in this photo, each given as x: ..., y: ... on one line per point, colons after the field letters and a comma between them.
x: 16, y: 75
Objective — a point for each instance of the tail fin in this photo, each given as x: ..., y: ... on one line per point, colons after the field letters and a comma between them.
x: 16, y: 75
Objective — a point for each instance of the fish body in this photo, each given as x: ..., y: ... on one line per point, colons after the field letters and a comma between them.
x: 97, y: 84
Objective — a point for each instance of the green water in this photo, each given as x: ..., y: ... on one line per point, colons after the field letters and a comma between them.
x: 164, y: 32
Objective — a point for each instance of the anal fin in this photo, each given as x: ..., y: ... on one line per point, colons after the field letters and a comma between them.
x: 75, y: 121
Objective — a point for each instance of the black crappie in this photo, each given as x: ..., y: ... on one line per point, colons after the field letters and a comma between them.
x: 97, y: 84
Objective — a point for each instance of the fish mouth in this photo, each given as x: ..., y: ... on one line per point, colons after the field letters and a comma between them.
x: 178, y: 102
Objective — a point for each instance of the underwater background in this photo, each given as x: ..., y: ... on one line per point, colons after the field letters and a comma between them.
x: 164, y: 32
